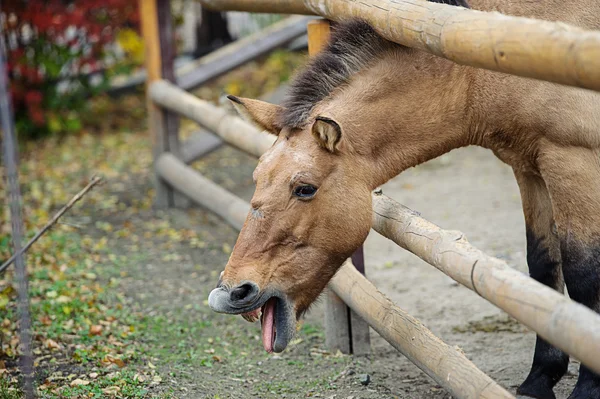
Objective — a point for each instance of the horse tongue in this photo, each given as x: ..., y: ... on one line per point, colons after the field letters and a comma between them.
x: 268, y: 325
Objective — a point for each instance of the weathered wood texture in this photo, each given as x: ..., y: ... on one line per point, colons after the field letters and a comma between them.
x: 201, y: 190
x: 203, y: 142
x: 445, y: 364
x: 564, y: 323
x: 551, y: 51
x: 163, y: 125
x: 359, y: 328
x: 149, y: 22
x: 338, y: 335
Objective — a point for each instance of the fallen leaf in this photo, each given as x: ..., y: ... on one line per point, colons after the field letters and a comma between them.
x: 113, y: 390
x: 115, y: 360
x: 95, y: 330
x: 63, y: 299
x: 51, y: 344
x: 79, y: 381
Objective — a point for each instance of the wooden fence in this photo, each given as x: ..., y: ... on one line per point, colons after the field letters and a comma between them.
x: 562, y: 322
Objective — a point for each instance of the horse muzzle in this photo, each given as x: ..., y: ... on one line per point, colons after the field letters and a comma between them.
x: 278, y: 320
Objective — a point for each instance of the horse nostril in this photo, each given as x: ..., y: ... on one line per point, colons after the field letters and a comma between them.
x: 244, y: 292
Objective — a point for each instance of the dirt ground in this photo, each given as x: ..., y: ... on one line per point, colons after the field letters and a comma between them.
x: 156, y: 268
x: 467, y: 190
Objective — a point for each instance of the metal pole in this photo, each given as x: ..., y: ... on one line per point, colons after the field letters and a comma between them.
x: 10, y: 160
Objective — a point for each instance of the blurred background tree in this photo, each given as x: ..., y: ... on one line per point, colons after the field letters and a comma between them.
x: 69, y: 59
x: 62, y: 52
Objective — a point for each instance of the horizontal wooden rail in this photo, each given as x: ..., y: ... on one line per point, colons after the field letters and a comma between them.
x: 229, y: 127
x: 201, y: 190
x: 566, y: 324
x: 550, y: 51
x: 198, y: 145
x: 192, y: 74
x: 240, y: 52
x: 447, y: 365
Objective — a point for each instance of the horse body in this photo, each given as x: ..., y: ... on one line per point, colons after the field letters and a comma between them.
x: 367, y: 109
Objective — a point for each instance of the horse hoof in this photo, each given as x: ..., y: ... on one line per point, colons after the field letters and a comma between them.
x: 538, y: 388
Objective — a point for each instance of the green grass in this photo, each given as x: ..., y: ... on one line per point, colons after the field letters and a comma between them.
x: 7, y: 391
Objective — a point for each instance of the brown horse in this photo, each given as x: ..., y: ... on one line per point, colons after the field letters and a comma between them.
x: 366, y: 109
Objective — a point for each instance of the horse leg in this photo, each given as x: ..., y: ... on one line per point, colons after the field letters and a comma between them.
x: 544, y: 262
x: 572, y: 175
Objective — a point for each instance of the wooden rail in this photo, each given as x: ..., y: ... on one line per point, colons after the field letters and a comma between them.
x: 561, y: 321
x: 447, y: 365
x: 550, y: 51
x: 241, y: 51
x: 163, y: 125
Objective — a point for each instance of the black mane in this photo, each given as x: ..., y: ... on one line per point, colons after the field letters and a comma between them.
x: 353, y: 46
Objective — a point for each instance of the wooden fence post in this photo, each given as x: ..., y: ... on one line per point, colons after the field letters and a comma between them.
x: 162, y: 124
x: 359, y: 328
x: 344, y: 330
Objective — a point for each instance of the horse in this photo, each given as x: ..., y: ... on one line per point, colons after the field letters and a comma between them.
x: 364, y: 110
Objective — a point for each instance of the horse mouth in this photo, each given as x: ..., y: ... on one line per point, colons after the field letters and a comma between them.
x: 276, y: 312
x: 277, y: 328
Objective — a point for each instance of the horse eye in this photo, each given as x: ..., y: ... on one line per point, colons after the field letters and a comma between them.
x: 306, y: 191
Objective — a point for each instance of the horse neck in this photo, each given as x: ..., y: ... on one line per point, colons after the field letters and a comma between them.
x: 408, y: 108
x: 583, y: 13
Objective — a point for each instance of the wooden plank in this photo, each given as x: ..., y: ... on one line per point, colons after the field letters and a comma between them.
x: 198, y: 145
x: 337, y: 324
x: 319, y: 31
x: 551, y: 51
x: 230, y: 128
x: 338, y: 333
x: 156, y: 122
x: 170, y: 120
x: 445, y: 364
x: 360, y: 338
x: 242, y: 51
x: 203, y: 142
x: 201, y: 190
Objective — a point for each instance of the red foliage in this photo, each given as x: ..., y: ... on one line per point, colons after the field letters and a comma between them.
x: 53, y: 40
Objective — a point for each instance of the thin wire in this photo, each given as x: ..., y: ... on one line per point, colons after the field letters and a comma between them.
x: 10, y: 159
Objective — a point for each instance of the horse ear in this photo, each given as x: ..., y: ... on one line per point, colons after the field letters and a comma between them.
x: 260, y: 113
x: 327, y: 132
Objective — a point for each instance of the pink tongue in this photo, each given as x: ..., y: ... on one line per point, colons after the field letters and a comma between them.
x: 268, y: 325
